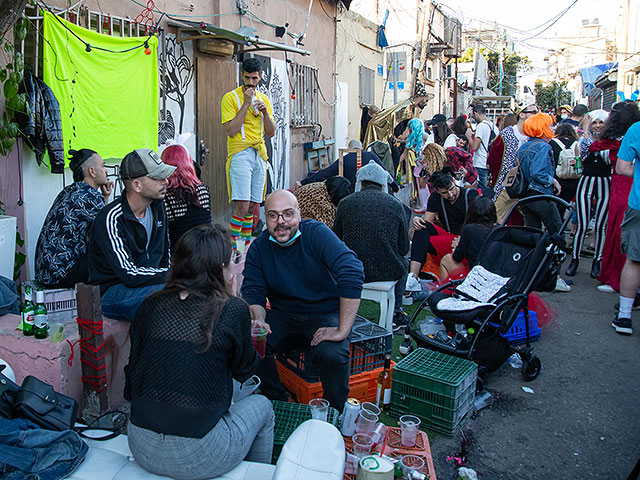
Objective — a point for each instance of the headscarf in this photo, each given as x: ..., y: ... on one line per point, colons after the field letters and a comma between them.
x: 414, y: 141
x: 538, y: 126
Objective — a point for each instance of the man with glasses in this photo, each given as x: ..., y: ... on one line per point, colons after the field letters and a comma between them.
x: 313, y: 283
x: 502, y: 158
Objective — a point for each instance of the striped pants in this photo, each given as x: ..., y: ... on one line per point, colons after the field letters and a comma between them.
x: 588, y: 188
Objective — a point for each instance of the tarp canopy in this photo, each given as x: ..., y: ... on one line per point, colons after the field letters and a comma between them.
x: 590, y: 74
x: 108, y: 99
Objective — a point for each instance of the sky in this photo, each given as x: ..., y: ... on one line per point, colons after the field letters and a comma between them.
x: 527, y: 15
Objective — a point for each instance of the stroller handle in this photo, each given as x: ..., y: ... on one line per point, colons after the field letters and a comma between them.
x: 537, y: 198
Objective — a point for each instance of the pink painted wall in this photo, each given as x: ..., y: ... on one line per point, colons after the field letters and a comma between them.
x: 11, y: 190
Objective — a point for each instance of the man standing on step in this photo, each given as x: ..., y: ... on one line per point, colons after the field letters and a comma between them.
x: 246, y: 117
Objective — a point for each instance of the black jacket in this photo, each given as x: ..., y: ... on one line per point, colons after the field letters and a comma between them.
x: 42, y: 129
x: 118, y: 250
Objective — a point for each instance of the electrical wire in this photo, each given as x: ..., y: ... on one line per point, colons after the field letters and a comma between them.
x: 560, y: 15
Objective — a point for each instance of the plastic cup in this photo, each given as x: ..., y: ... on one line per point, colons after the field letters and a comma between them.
x: 319, y: 408
x: 371, y: 407
x: 362, y: 444
x: 259, y: 338
x: 366, y: 422
x: 411, y: 463
x: 409, y: 429
x: 56, y: 331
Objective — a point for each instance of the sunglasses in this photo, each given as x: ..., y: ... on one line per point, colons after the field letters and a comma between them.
x: 529, y: 111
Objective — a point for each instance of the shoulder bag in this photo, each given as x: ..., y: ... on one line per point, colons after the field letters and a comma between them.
x: 39, y: 402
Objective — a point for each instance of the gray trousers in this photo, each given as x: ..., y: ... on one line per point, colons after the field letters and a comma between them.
x: 245, y: 432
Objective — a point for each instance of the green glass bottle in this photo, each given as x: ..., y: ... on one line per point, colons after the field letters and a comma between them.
x: 40, y: 320
x: 27, y: 311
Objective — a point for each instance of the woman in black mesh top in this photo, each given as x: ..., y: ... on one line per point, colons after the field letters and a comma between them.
x: 188, y: 342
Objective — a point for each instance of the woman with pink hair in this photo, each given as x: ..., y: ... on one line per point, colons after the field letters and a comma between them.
x: 188, y: 200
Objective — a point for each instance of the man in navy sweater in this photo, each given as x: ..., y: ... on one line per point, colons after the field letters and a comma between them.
x: 313, y: 283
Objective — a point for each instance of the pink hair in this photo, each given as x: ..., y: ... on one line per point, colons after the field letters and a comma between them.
x: 184, y: 178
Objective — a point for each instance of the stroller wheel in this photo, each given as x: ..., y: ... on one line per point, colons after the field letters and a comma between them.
x: 531, y: 368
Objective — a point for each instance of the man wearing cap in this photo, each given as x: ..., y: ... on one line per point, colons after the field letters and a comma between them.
x: 246, y: 116
x: 129, y: 243
x: 375, y: 226
x: 61, y: 251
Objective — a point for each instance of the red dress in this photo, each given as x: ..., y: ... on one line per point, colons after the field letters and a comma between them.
x: 612, y: 257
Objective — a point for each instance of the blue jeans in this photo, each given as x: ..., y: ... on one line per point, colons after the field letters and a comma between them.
x: 28, y: 451
x: 121, y: 303
x: 483, y: 178
x: 331, y: 359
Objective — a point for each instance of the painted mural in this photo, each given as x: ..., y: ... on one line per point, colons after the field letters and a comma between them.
x: 179, y: 84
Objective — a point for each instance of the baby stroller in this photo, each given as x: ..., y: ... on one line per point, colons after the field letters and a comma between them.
x: 513, y: 262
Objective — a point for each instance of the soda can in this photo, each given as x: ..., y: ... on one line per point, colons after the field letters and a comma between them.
x: 349, y: 416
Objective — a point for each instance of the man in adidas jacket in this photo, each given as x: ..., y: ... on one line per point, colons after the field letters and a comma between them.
x: 129, y: 242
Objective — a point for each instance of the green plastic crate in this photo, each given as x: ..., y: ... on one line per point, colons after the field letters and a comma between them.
x: 290, y: 416
x: 437, y: 388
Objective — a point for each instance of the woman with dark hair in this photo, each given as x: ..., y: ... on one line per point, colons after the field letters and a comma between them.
x: 459, y: 128
x: 480, y: 220
x: 508, y: 121
x: 188, y: 201
x: 565, y: 138
x: 188, y: 341
x: 319, y: 200
x: 595, y: 185
x: 449, y: 204
x: 443, y: 136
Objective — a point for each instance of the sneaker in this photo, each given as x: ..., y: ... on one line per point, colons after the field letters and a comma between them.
x: 407, y: 300
x: 605, y: 288
x: 622, y: 326
x: 413, y: 285
x: 561, y: 286
x: 400, y: 320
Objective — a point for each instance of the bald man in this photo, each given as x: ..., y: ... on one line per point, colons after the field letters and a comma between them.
x: 313, y: 283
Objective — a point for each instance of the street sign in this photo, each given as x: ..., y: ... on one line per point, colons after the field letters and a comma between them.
x: 379, y: 69
x: 400, y: 85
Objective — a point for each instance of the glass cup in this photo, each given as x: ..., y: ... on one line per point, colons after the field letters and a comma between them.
x: 371, y: 407
x: 57, y: 332
x: 411, y: 463
x: 319, y: 408
x: 409, y: 428
x: 366, y: 421
x: 362, y: 444
x: 259, y: 339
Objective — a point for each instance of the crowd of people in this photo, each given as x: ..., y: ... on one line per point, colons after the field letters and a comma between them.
x: 164, y: 267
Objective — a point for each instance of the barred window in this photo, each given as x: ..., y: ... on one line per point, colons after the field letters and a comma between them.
x: 367, y: 79
x: 304, y: 111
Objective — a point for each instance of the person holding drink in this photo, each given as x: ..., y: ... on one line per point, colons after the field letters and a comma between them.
x: 188, y: 342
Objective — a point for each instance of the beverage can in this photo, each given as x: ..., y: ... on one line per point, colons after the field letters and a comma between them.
x: 349, y: 416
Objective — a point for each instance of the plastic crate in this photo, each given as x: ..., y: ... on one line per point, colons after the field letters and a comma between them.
x: 288, y: 417
x: 517, y: 334
x: 362, y: 386
x: 369, y: 344
x: 438, y: 388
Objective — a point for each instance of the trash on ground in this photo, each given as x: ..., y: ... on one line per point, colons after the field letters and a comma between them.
x: 527, y: 389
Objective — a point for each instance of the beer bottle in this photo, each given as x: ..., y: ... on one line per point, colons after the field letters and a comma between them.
x: 27, y: 311
x: 40, y: 321
x: 383, y: 396
x: 578, y: 165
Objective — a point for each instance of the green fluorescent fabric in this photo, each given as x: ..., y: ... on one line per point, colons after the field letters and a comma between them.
x: 112, y: 107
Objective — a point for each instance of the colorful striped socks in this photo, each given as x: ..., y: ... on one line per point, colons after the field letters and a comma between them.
x: 247, y: 228
x: 235, y: 227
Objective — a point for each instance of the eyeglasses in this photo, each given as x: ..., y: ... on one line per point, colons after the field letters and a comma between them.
x: 530, y: 111
x: 287, y: 215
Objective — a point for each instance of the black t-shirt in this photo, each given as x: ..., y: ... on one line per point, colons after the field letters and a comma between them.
x: 453, y: 218
x: 471, y: 242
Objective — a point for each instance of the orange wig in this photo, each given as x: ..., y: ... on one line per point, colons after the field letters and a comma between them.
x: 538, y: 126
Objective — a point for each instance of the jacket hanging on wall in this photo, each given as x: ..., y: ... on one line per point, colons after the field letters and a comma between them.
x: 42, y: 129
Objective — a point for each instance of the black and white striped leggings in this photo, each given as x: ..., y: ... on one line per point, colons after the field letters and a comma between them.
x: 588, y: 188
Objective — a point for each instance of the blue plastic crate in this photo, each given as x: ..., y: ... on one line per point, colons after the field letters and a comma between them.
x: 517, y: 333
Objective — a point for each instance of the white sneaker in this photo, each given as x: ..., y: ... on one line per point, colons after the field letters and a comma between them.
x: 407, y: 300
x: 605, y: 288
x: 413, y: 285
x: 561, y: 286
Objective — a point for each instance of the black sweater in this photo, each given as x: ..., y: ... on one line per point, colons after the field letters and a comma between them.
x: 373, y: 224
x: 173, y: 389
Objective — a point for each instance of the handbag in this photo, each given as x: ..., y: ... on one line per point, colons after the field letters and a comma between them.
x: 514, y: 182
x: 39, y: 402
x: 8, y: 391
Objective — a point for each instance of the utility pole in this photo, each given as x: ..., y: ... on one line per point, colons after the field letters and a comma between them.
x: 394, y: 70
x: 500, y: 63
x: 476, y: 52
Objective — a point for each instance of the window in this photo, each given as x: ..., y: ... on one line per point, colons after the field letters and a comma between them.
x: 304, y: 111
x: 367, y: 86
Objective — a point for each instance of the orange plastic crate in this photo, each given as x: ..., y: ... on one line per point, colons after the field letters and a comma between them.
x: 362, y: 386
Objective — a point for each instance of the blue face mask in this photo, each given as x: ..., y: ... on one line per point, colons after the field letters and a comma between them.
x: 289, y: 242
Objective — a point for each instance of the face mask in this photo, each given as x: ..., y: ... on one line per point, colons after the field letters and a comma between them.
x: 564, y: 116
x: 289, y: 242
